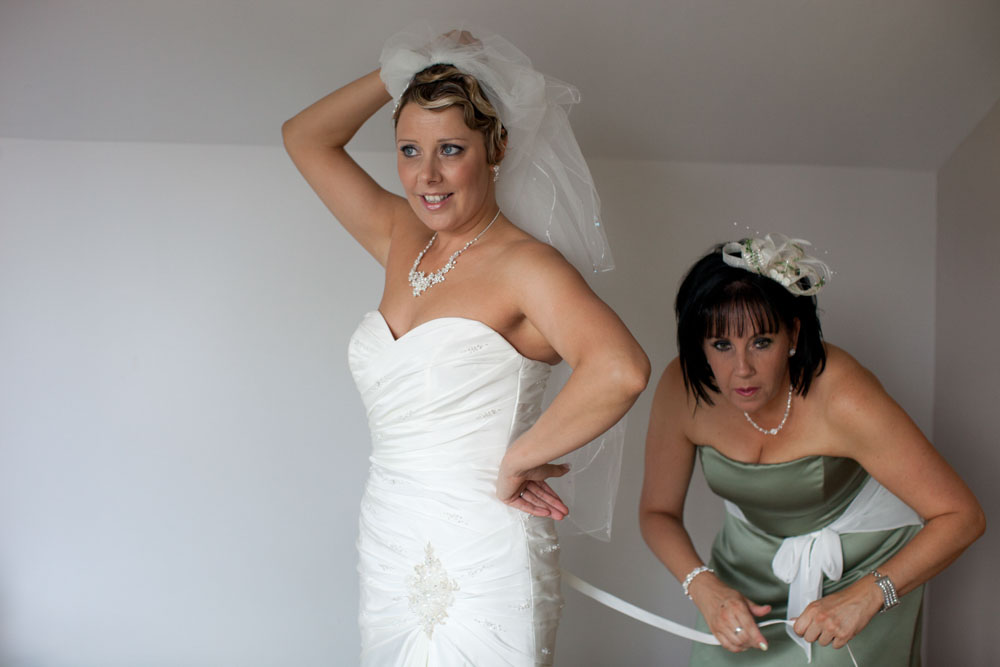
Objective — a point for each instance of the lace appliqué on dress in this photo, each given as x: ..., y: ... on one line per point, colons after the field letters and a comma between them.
x: 431, y: 591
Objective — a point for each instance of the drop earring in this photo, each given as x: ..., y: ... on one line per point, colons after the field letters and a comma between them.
x: 496, y: 173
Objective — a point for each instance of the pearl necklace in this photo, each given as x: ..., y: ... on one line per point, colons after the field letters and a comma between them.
x: 421, y: 281
x: 773, y: 431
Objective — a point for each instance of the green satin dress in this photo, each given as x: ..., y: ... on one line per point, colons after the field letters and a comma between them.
x: 786, y: 499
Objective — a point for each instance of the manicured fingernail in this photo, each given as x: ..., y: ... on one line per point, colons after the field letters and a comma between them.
x: 763, y: 646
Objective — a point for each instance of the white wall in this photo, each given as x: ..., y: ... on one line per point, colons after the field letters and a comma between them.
x: 181, y: 447
x: 966, y: 371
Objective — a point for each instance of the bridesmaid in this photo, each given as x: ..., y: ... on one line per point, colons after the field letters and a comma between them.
x: 823, y: 473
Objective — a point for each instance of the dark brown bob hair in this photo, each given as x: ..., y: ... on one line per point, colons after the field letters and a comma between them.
x: 717, y: 300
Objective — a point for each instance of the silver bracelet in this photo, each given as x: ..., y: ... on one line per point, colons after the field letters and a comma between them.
x: 690, y: 577
x: 889, y: 597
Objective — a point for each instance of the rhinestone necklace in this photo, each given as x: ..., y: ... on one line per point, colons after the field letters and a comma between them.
x: 421, y: 281
x: 773, y: 431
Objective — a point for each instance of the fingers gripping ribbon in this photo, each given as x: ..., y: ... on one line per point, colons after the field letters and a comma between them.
x: 801, y: 561
x: 640, y: 614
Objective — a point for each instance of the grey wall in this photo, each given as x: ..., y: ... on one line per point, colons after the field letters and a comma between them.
x: 181, y: 447
x: 967, y: 368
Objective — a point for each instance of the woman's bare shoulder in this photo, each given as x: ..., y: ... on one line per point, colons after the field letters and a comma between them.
x: 523, y: 251
x: 672, y: 393
x: 532, y: 268
x: 842, y: 371
x: 673, y: 376
x: 847, y: 389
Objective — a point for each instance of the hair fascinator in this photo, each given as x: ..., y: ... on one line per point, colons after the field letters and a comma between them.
x: 781, y: 259
x: 546, y: 189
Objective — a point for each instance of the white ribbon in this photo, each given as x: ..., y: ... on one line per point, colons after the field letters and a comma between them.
x: 638, y: 613
x: 802, y: 560
x: 649, y: 618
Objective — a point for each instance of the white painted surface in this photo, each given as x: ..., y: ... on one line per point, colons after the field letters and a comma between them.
x: 961, y: 618
x: 845, y: 82
x: 181, y: 446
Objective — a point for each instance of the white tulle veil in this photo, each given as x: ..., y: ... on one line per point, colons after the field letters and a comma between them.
x: 545, y: 188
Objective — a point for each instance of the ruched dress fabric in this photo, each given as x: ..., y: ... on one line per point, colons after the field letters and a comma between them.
x: 787, y: 499
x: 449, y: 574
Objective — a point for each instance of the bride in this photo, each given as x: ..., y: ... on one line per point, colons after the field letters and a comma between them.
x: 457, y: 546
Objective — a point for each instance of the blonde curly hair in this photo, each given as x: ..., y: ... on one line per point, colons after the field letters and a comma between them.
x: 441, y: 86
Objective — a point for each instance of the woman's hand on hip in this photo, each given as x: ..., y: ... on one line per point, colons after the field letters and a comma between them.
x: 529, y: 492
x: 729, y: 614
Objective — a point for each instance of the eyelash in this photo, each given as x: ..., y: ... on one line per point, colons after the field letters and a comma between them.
x: 759, y: 343
x: 448, y: 150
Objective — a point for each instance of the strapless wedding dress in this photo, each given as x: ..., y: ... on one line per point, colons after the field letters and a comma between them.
x: 449, y: 574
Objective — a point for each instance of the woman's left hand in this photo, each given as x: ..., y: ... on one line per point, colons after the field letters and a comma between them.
x: 530, y: 493
x: 838, y: 617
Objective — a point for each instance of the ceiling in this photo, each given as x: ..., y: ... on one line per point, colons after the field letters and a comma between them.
x: 893, y: 83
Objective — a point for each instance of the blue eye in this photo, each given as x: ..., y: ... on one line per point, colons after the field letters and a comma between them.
x: 408, y: 150
x: 450, y: 149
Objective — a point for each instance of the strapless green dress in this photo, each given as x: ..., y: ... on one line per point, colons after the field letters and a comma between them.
x: 787, y: 499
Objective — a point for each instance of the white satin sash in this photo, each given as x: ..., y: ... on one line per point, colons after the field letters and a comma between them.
x: 802, y: 560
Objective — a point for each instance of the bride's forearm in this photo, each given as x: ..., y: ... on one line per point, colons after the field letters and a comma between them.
x: 334, y: 119
x: 597, y: 395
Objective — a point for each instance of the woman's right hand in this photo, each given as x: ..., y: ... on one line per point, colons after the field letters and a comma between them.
x: 529, y: 492
x: 463, y: 37
x: 730, y: 615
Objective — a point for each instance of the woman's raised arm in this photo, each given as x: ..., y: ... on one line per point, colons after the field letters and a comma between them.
x: 315, y: 139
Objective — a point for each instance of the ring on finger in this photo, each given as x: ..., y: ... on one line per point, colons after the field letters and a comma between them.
x: 521, y: 495
x: 738, y: 630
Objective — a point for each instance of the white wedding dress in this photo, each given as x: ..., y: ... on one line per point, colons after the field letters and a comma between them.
x: 449, y: 574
